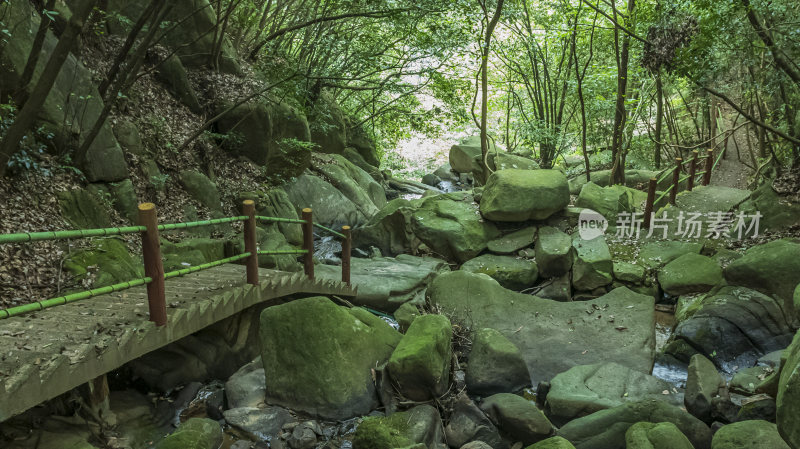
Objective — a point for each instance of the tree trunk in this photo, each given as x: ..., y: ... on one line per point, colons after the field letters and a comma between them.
x: 27, y: 115
x: 659, y: 119
x: 620, y: 115
x: 33, y: 58
x: 485, y: 85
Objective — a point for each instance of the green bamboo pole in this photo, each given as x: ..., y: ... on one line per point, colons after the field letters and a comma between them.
x: 41, y: 305
x: 71, y: 234
x: 196, y: 224
x: 286, y: 251
x: 205, y: 266
x: 338, y: 234
x: 280, y: 220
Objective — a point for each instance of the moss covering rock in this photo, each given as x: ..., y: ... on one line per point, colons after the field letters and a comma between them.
x: 663, y: 435
x: 420, y: 365
x: 514, y: 241
x: 520, y: 195
x: 607, y: 201
x: 420, y: 425
x: 554, y: 252
x: 195, y: 433
x: 593, y: 266
x: 788, y: 401
x: 552, y: 443
x: 84, y: 209
x: 517, y: 417
x: 703, y: 385
x: 495, y: 365
x: 318, y: 357
x: 690, y: 273
x: 511, y: 272
x: 754, y: 434
x: 108, y: 261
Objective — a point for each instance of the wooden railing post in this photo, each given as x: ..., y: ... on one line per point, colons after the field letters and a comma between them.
x: 153, y: 266
x: 709, y: 166
x: 250, y: 246
x: 676, y: 179
x: 692, y: 170
x: 648, y: 206
x: 308, y: 243
x: 347, y: 245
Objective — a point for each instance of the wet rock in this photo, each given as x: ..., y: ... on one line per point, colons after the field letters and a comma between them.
x: 419, y: 425
x: 246, y: 387
x: 585, y: 389
x: 318, y: 356
x: 196, y: 433
x: 540, y: 327
x: 468, y: 423
x: 261, y: 424
x: 405, y: 315
x: 592, y: 267
x: 746, y: 380
x: 384, y: 283
x: 554, y: 252
x: 788, y: 400
x: 647, y: 435
x: 690, y: 273
x: 420, y: 365
x: 607, y: 428
x: 511, y: 272
x: 703, y: 385
x: 520, y: 195
x: 749, y: 434
x: 556, y: 289
x: 517, y: 417
x: 495, y: 365
x: 445, y: 172
x: 513, y: 242
x: 304, y: 435
x: 735, y: 325
x: 759, y: 407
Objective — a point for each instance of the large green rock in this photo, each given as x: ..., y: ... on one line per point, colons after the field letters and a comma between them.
x: 318, y: 357
x: 552, y: 443
x: 633, y: 178
x: 73, y: 104
x: 777, y: 213
x: 663, y: 435
x: 463, y: 154
x: 735, y: 326
x: 359, y: 140
x: 585, y: 389
x: 607, y: 201
x: 390, y: 229
x: 420, y: 425
x: 125, y: 200
x: 554, y: 252
x: 452, y: 227
x: 196, y: 433
x: 495, y: 365
x: 353, y: 182
x: 511, y: 272
x: 607, y: 428
x: 552, y: 336
x: 703, y: 385
x: 276, y: 203
x: 384, y: 283
x: 690, y: 273
x: 271, y: 135
x: 513, y: 241
x: 772, y: 268
x: 201, y: 189
x: 788, y: 401
x: 659, y: 253
x: 108, y: 261
x: 756, y: 434
x: 520, y: 195
x: 517, y: 417
x: 330, y: 206
x: 592, y: 267
x: 84, y: 209
x: 328, y: 125
x: 127, y: 135
x: 192, y: 35
x: 172, y: 73
x: 420, y: 365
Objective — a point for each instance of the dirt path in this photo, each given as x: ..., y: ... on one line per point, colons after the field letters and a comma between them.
x: 730, y: 172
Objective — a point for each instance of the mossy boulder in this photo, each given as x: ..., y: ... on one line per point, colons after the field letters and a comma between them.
x: 629, y: 272
x: 406, y: 314
x: 328, y: 125
x: 420, y: 425
x: 84, y: 209
x: 592, y: 267
x: 585, y: 389
x: 703, y: 385
x: 511, y: 272
x: 520, y: 195
x: 420, y: 365
x: 353, y: 182
x: 276, y: 203
x: 777, y: 213
x: 330, y: 206
x: 690, y: 273
x: 514, y: 241
x: 318, y: 357
x: 663, y: 435
x: 201, y: 189
x: 607, y: 428
x: 462, y: 154
x: 552, y: 443
x: 108, y: 260
x: 127, y: 135
x: 659, y: 253
x: 172, y: 73
x: 788, y: 400
x: 195, y: 433
x: 755, y: 434
x: 125, y: 200
x: 360, y: 140
x: 607, y: 201
x: 495, y: 365
x: 517, y: 417
x: 554, y: 252
x: 191, y: 252
x: 451, y: 226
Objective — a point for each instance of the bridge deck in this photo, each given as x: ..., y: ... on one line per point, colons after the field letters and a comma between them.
x: 50, y: 352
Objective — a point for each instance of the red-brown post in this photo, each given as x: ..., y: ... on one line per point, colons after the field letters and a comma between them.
x: 709, y: 166
x: 249, y: 209
x: 308, y: 243
x: 153, y: 266
x: 347, y: 245
x: 676, y: 179
x: 651, y: 197
x: 692, y: 171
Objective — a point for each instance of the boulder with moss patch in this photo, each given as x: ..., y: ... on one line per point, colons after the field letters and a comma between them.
x: 196, y: 433
x: 511, y: 272
x: 663, y: 435
x: 690, y: 273
x: 520, y: 195
x: 419, y: 425
x: 108, y: 260
x: 495, y: 365
x: 755, y: 434
x: 420, y: 365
